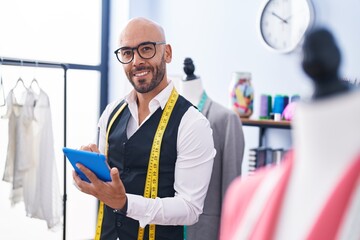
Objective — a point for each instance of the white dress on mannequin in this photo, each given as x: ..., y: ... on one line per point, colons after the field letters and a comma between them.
x: 326, y: 141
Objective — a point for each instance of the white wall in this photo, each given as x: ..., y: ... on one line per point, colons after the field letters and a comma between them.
x: 223, y: 36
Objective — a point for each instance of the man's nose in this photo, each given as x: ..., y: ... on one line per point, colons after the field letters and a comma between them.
x: 137, y: 58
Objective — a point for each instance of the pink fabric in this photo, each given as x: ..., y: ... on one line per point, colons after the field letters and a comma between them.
x: 242, y: 190
x: 238, y: 197
x: 266, y: 225
x: 328, y: 224
x: 289, y: 111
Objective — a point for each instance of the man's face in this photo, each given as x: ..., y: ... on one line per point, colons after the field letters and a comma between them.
x: 146, y: 74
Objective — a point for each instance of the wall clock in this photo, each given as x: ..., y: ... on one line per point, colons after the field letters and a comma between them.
x: 283, y: 23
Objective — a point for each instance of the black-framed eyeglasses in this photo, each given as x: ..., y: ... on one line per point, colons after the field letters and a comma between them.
x: 146, y: 50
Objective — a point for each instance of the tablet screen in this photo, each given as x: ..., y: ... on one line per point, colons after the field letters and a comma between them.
x: 96, y: 162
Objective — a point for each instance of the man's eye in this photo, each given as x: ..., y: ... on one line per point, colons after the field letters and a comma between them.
x: 126, y: 53
x: 146, y: 48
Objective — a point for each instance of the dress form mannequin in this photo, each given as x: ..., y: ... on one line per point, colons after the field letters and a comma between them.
x: 326, y: 145
x: 326, y: 137
x: 191, y: 87
x: 229, y: 144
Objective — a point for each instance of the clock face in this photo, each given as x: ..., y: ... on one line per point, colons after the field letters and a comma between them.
x: 283, y: 23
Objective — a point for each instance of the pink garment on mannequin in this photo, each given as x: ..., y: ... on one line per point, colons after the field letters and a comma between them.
x: 326, y: 226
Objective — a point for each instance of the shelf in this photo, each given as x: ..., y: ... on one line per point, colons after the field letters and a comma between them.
x: 266, y: 123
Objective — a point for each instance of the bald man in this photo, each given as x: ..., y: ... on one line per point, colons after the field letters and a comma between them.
x: 153, y: 133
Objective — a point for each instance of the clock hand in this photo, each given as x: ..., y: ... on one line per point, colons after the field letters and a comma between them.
x: 283, y: 20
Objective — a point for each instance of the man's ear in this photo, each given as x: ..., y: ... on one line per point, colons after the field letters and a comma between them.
x: 168, y: 53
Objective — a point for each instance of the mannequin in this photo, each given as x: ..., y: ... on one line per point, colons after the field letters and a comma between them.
x: 326, y: 145
x: 229, y: 144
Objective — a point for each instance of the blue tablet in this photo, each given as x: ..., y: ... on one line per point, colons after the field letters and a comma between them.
x: 96, y: 162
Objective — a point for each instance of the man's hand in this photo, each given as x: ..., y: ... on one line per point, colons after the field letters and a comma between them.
x: 112, y: 193
x: 90, y: 148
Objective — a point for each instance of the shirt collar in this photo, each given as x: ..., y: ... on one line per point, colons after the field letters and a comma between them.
x: 159, y: 100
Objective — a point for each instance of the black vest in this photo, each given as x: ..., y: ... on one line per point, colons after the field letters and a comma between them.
x: 131, y: 157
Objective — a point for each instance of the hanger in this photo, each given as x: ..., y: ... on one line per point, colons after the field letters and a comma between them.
x: 35, y: 82
x: 22, y: 84
x: 19, y: 89
x: 20, y: 80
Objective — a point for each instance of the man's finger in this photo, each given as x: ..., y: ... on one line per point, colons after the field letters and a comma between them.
x: 88, y: 173
x: 79, y: 183
x: 114, y: 174
x: 76, y: 179
x: 85, y: 148
x: 93, y: 148
x: 90, y: 147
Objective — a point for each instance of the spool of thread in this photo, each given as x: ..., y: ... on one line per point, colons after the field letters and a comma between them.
x: 265, y: 106
x: 286, y: 101
x: 278, y: 104
x: 269, y: 106
x: 295, y: 98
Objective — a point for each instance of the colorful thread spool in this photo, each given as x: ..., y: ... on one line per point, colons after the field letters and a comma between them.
x: 278, y: 104
x: 265, y: 106
x: 295, y: 98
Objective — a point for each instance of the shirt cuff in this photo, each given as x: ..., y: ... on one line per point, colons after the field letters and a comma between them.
x: 122, y: 211
x: 142, y: 209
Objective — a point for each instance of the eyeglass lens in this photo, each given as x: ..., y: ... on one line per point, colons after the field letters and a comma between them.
x: 145, y: 50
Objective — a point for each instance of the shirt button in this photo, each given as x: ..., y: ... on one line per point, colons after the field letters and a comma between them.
x: 122, y: 147
x: 119, y: 224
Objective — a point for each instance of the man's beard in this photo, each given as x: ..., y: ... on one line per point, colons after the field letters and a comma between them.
x: 158, y: 75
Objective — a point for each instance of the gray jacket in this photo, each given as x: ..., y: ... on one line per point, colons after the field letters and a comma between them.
x: 229, y: 144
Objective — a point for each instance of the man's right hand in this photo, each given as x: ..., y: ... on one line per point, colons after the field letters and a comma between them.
x: 90, y: 148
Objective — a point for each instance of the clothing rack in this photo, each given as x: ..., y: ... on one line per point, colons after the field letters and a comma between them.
x: 65, y: 67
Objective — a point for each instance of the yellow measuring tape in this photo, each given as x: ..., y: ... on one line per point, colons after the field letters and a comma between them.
x: 152, y: 176
x: 101, y: 207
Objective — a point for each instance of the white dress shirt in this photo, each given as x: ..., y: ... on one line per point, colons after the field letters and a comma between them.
x: 195, y: 155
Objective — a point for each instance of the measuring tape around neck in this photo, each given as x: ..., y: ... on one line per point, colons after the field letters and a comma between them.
x: 101, y: 207
x: 152, y: 176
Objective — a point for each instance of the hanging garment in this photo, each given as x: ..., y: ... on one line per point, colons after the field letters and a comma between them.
x: 42, y: 196
x: 2, y: 94
x: 20, y: 114
x: 30, y: 164
x: 229, y: 144
x: 253, y: 204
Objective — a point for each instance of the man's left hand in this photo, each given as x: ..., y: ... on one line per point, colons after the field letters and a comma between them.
x: 112, y: 193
